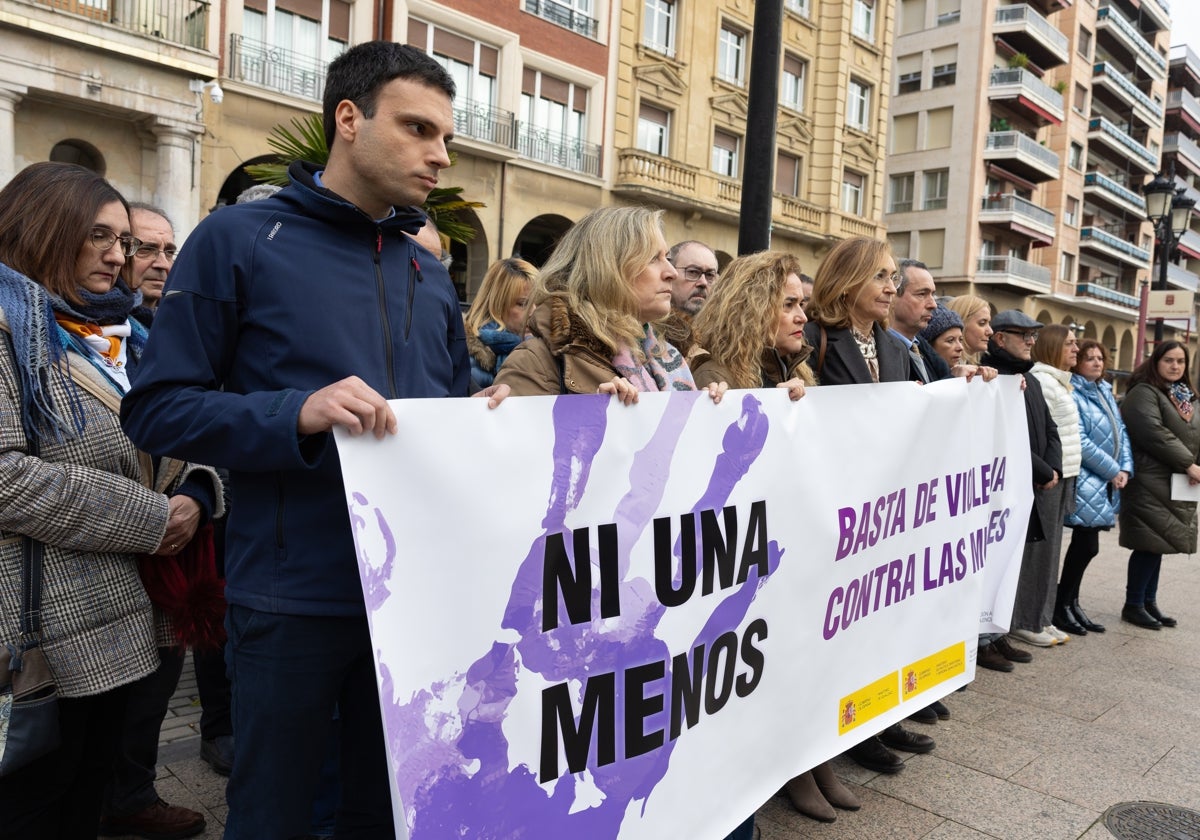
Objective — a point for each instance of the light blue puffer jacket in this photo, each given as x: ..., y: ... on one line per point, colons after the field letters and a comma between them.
x: 1106, y: 452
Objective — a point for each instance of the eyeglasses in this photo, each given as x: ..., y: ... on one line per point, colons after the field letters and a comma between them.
x: 150, y: 252
x: 883, y: 277
x: 1030, y: 337
x: 102, y: 239
x: 694, y: 273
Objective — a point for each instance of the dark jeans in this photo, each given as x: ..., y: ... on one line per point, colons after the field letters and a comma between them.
x: 132, y: 785
x: 58, y: 797
x: 213, y: 687
x: 288, y: 673
x: 1141, y: 585
x: 1085, y: 545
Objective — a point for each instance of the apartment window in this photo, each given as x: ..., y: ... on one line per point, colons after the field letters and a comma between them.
x: 900, y: 243
x: 912, y: 16
x: 862, y: 21
x: 303, y: 36
x: 1084, y: 47
x: 800, y: 7
x: 653, y: 130
x: 472, y: 65
x: 945, y: 66
x: 658, y: 26
x: 852, y: 192
x: 858, y: 105
x: 1075, y: 157
x: 1071, y: 212
x: 792, y: 90
x: 901, y: 189
x: 939, y: 124
x: 554, y: 121
x: 787, y: 175
x: 908, y: 73
x: 904, y: 134
x: 1067, y: 268
x: 931, y: 247
x: 1079, y: 103
x: 725, y: 153
x: 731, y: 55
x: 948, y: 12
x: 937, y: 188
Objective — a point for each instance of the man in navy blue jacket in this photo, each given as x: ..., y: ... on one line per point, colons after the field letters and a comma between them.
x: 282, y: 319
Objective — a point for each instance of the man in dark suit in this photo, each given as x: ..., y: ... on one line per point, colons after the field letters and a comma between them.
x: 913, y: 306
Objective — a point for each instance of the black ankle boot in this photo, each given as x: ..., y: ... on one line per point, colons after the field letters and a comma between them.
x: 1082, y: 618
x: 1136, y: 614
x: 1164, y: 620
x: 1065, y: 621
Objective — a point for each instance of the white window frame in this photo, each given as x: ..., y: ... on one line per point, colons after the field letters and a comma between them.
x: 726, y: 162
x: 800, y: 7
x: 858, y: 105
x: 651, y: 134
x: 862, y: 20
x: 791, y: 87
x: 935, y: 189
x: 731, y: 55
x: 852, y: 194
x: 659, y: 15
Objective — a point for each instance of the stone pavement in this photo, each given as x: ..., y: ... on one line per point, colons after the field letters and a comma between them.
x: 1039, y: 753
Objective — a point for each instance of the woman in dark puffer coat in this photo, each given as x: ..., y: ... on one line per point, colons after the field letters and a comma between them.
x: 1164, y: 430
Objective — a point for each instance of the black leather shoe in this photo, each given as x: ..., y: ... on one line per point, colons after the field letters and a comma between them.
x: 873, y: 755
x: 926, y: 715
x: 939, y: 709
x: 218, y: 753
x: 899, y: 738
x: 1012, y: 654
x: 1165, y: 620
x: 1082, y: 618
x: 1136, y: 614
x: 1065, y: 621
x: 991, y: 659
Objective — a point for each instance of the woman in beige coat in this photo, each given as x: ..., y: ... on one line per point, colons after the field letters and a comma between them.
x: 72, y: 482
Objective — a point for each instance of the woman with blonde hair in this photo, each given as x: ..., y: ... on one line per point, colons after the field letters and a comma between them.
x: 752, y: 327
x: 976, y: 315
x: 495, y: 322
x: 593, y: 326
x: 848, y: 316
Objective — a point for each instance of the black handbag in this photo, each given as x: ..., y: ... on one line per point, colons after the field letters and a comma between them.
x: 28, y: 695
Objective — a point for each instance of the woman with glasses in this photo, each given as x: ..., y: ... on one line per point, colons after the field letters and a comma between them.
x: 848, y: 315
x: 1161, y: 416
x: 1105, y: 470
x: 496, y: 320
x: 1054, y: 355
x: 72, y: 487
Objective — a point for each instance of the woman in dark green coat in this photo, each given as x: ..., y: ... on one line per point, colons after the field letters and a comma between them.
x: 1161, y: 416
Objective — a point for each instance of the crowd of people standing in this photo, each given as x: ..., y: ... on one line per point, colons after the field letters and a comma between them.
x: 116, y: 396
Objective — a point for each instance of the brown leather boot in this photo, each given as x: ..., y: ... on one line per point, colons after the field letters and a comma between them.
x: 807, y: 799
x: 835, y: 792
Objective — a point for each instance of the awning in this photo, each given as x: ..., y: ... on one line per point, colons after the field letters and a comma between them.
x: 1191, y: 252
x: 1001, y: 172
x: 1038, y: 109
x: 1040, y: 240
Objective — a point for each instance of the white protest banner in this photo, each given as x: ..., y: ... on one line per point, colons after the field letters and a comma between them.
x: 593, y: 620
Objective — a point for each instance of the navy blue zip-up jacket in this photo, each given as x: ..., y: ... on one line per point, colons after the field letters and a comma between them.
x: 267, y: 303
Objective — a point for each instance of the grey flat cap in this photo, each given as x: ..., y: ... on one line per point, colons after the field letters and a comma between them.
x: 1011, y: 319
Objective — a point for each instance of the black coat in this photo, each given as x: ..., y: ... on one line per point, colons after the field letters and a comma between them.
x: 836, y: 359
x: 1044, y: 445
x: 938, y: 369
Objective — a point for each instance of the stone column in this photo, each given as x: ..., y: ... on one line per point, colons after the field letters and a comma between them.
x: 9, y: 97
x: 177, y: 172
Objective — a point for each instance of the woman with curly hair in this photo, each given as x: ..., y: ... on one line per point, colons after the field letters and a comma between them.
x: 496, y: 320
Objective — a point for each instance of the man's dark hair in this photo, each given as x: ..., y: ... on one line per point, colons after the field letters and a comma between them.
x: 902, y: 270
x: 361, y: 71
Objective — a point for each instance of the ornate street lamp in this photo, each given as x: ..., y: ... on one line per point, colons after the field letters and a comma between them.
x: 1170, y: 212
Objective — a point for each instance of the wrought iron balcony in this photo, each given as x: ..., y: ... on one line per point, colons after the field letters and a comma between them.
x: 558, y: 149
x: 564, y: 16
x: 183, y: 22
x: 276, y: 68
x: 480, y: 121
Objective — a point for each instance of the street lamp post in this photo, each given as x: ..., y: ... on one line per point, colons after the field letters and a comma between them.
x: 1170, y: 212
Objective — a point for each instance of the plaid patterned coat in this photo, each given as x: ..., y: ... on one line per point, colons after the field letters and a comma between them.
x: 85, y: 500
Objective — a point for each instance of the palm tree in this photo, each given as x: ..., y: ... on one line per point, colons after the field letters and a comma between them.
x: 305, y: 140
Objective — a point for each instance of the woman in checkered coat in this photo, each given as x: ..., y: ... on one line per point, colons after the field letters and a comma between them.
x: 71, y: 480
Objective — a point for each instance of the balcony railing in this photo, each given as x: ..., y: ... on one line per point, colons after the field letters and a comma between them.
x: 558, y: 150
x: 1109, y: 71
x: 1107, y: 295
x: 1139, y: 151
x: 1180, y: 98
x: 1159, y: 11
x: 795, y: 210
x: 1022, y: 143
x: 1030, y: 17
x: 1095, y: 179
x: 1181, y: 278
x: 276, y: 68
x: 1141, y: 46
x: 564, y: 16
x: 480, y: 121
x: 177, y: 21
x: 1022, y: 79
x: 656, y: 172
x: 1015, y: 267
x: 1011, y: 203
x: 1116, y: 243
x: 1181, y: 144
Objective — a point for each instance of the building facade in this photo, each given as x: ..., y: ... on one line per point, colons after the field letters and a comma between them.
x: 1021, y: 136
x: 1181, y: 150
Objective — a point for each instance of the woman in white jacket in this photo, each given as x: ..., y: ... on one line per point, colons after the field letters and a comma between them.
x: 1054, y: 355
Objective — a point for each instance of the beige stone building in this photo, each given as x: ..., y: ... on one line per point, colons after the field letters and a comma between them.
x: 115, y: 85
x: 1021, y: 136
